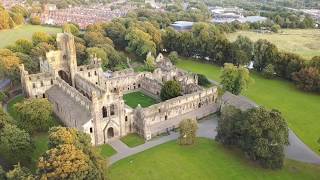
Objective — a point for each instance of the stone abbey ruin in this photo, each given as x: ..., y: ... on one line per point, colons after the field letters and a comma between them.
x: 86, y: 98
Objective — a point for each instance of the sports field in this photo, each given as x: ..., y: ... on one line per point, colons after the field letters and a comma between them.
x: 300, y: 109
x: 301, y: 41
x: 8, y: 37
x: 204, y: 160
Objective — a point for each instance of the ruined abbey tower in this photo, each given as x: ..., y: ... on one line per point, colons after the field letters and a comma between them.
x: 86, y: 98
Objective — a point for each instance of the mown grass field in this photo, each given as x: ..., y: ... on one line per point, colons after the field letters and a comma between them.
x: 8, y: 37
x: 135, y: 98
x: 132, y: 140
x: 204, y: 160
x: 300, y: 109
x: 106, y: 150
x: 301, y: 41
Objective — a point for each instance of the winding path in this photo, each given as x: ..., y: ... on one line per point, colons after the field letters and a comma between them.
x: 297, y: 150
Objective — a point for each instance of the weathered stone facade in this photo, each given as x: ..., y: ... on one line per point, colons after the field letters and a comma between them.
x: 91, y: 100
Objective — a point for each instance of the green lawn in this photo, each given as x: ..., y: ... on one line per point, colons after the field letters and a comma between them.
x: 135, y: 98
x: 301, y: 41
x: 8, y: 37
x: 204, y: 160
x: 11, y: 110
x: 301, y: 109
x: 41, y: 146
x: 132, y: 140
x: 106, y: 150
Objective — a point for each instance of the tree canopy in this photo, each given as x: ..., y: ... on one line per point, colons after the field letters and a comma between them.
x: 170, y: 89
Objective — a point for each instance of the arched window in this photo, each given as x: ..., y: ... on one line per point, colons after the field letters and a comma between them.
x: 89, y: 74
x: 112, y: 109
x: 51, y: 81
x: 41, y: 83
x: 104, y: 112
x: 126, y: 118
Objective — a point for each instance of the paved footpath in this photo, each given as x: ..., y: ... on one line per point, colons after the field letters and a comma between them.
x: 297, y: 150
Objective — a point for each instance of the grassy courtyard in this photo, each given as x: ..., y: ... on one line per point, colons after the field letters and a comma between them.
x: 135, y: 98
x: 132, y: 140
x: 301, y: 41
x: 9, y: 36
x: 301, y: 109
x: 106, y: 150
x: 204, y: 160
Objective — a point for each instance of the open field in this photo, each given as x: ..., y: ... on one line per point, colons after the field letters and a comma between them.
x: 132, y: 140
x: 204, y: 160
x: 8, y: 37
x: 301, y: 41
x: 300, y: 109
x: 135, y: 98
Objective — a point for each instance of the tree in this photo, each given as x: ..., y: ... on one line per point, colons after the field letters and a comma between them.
x: 203, y: 80
x: 35, y: 115
x: 19, y: 173
x: 235, y: 79
x: 16, y: 144
x: 188, y: 130
x: 9, y: 64
x: 60, y: 136
x: 140, y: 42
x: 264, y: 53
x: 243, y: 48
x: 64, y: 162
x: 275, y: 28
x: 116, y: 31
x: 266, y: 135
x: 39, y: 37
x: 308, y: 79
x: 5, y: 19
x: 2, y: 173
x: 99, y: 53
x: 288, y: 63
x: 17, y: 18
x: 170, y: 89
x: 229, y: 126
x: 35, y: 20
x: 262, y: 134
x: 23, y: 46
x: 150, y: 63
x: 96, y: 38
x: 174, y: 57
x: 268, y: 72
x: 40, y: 50
x: 71, y: 28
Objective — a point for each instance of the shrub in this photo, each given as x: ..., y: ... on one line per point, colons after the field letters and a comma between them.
x: 174, y: 57
x: 188, y: 130
x: 35, y: 20
x: 203, y: 80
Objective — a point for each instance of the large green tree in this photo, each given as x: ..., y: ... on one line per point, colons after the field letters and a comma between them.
x: 16, y: 144
x: 264, y: 53
x: 235, y: 79
x: 170, y: 89
x: 35, y: 115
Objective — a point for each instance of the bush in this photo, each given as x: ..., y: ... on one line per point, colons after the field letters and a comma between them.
x: 35, y: 20
x: 308, y: 79
x: 203, y: 80
x: 170, y: 89
x: 268, y: 72
x: 188, y: 131
x: 174, y: 57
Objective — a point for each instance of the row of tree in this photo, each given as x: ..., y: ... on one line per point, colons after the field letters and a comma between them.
x: 14, y: 16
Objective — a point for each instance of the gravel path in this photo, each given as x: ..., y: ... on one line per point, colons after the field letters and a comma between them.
x: 297, y: 150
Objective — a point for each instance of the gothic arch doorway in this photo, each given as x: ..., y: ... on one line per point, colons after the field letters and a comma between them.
x: 110, y: 133
x: 63, y: 75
